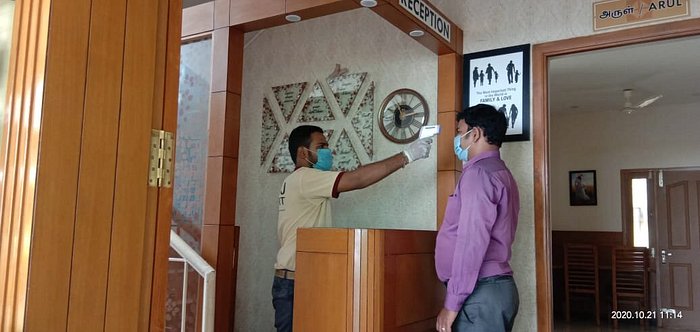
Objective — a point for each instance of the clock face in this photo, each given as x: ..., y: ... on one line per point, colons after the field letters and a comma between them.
x: 402, y: 114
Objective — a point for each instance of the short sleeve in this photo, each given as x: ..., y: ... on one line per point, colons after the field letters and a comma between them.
x: 319, y: 184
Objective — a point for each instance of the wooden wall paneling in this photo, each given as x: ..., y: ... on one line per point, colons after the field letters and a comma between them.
x: 604, y: 241
x: 245, y: 11
x: 19, y: 164
x: 130, y: 228
x: 364, y: 281
x: 222, y: 12
x: 297, y: 5
x: 379, y: 296
x: 167, y: 120
x: 540, y: 57
x: 449, y: 103
x: 198, y: 19
x: 543, y: 245
x: 227, y: 58
x: 275, y: 15
x: 324, y: 276
x: 219, y: 244
x: 57, y: 171
x: 93, y: 223
x: 10, y: 164
x: 450, y: 82
x: 309, y: 9
x: 219, y: 249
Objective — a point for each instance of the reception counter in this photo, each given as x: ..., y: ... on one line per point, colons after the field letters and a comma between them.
x: 366, y: 280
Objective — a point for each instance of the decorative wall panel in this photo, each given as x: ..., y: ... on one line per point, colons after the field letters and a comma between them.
x: 345, y: 89
x: 316, y: 107
x: 287, y: 96
x: 331, y: 104
x: 363, y: 121
x: 270, y: 129
x: 345, y: 158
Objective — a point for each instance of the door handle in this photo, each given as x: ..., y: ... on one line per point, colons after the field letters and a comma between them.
x: 664, y: 254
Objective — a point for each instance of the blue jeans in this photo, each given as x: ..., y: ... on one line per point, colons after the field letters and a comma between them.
x: 283, y: 302
x: 491, y: 307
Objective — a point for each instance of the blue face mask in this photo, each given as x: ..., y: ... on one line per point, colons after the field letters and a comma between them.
x: 462, y: 154
x: 324, y: 161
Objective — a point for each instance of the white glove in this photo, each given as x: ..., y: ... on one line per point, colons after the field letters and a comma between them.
x: 419, y: 149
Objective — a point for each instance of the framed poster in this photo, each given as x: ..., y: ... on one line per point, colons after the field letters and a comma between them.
x: 582, y: 188
x: 501, y: 78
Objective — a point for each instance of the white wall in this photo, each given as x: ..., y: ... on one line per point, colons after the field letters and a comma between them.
x: 306, y: 51
x: 486, y: 25
x: 608, y: 141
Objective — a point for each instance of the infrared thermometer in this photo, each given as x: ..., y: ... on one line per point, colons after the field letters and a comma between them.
x: 429, y: 131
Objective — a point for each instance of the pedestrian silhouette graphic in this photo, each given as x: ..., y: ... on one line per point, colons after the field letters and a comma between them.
x: 517, y: 74
x: 513, y: 115
x: 495, y: 75
x: 503, y: 110
x: 475, y: 75
x: 510, y: 68
x: 489, y: 73
x: 481, y: 78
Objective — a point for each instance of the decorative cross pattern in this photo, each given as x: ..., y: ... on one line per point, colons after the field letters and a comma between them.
x: 270, y: 129
x: 348, y: 121
x: 345, y: 89
x: 288, y: 96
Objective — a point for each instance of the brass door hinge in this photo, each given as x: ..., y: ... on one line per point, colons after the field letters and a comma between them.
x: 161, y: 165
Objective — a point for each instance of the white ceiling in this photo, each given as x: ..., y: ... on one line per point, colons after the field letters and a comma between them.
x: 594, y: 81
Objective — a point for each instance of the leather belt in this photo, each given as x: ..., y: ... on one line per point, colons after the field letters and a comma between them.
x: 284, y: 274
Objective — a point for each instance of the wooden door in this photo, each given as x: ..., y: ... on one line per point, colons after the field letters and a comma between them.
x: 678, y: 248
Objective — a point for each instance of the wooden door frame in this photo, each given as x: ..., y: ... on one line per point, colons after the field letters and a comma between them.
x: 540, y: 57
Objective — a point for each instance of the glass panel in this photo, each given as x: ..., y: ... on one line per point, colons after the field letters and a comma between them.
x: 190, y: 167
x: 639, y: 213
x: 192, y: 140
x: 7, y: 9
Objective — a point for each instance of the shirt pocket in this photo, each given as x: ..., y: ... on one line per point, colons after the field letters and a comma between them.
x: 452, y: 209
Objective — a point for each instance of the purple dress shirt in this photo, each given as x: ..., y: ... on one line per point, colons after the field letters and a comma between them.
x: 475, y: 238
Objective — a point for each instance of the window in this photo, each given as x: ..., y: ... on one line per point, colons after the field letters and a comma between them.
x: 640, y: 218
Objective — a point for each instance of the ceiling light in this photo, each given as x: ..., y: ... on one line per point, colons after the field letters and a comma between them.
x: 416, y: 33
x: 292, y: 18
x: 368, y: 3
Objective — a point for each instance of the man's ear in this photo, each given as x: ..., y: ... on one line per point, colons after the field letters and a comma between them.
x: 302, y: 153
x: 478, y: 133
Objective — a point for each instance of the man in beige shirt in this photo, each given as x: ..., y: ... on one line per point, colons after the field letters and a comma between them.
x: 304, y: 201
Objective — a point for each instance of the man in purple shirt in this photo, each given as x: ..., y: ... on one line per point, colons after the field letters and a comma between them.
x: 473, y: 246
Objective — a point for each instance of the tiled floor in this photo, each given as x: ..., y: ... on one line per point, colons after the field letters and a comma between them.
x: 583, y: 326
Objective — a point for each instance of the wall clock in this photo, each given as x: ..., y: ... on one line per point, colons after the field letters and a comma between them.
x: 401, y: 115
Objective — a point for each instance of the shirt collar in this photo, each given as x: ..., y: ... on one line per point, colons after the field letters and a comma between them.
x: 483, y: 155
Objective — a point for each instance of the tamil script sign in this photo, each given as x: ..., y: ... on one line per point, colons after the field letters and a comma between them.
x: 616, y: 13
x: 429, y: 16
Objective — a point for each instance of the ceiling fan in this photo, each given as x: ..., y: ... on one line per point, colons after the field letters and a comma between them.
x: 630, y: 108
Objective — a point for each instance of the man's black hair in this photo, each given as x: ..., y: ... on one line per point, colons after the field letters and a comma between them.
x: 301, y: 136
x: 490, y: 120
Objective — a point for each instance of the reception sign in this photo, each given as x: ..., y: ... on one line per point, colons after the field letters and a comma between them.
x: 617, y: 13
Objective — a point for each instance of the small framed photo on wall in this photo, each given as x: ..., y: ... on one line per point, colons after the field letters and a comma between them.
x: 582, y: 188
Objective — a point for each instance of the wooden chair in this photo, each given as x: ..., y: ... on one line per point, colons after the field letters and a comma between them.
x: 630, y: 281
x: 581, y: 275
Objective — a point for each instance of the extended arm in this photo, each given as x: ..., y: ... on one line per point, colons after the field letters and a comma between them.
x: 370, y: 174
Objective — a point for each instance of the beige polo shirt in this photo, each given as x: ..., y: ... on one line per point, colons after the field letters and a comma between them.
x: 304, y: 202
